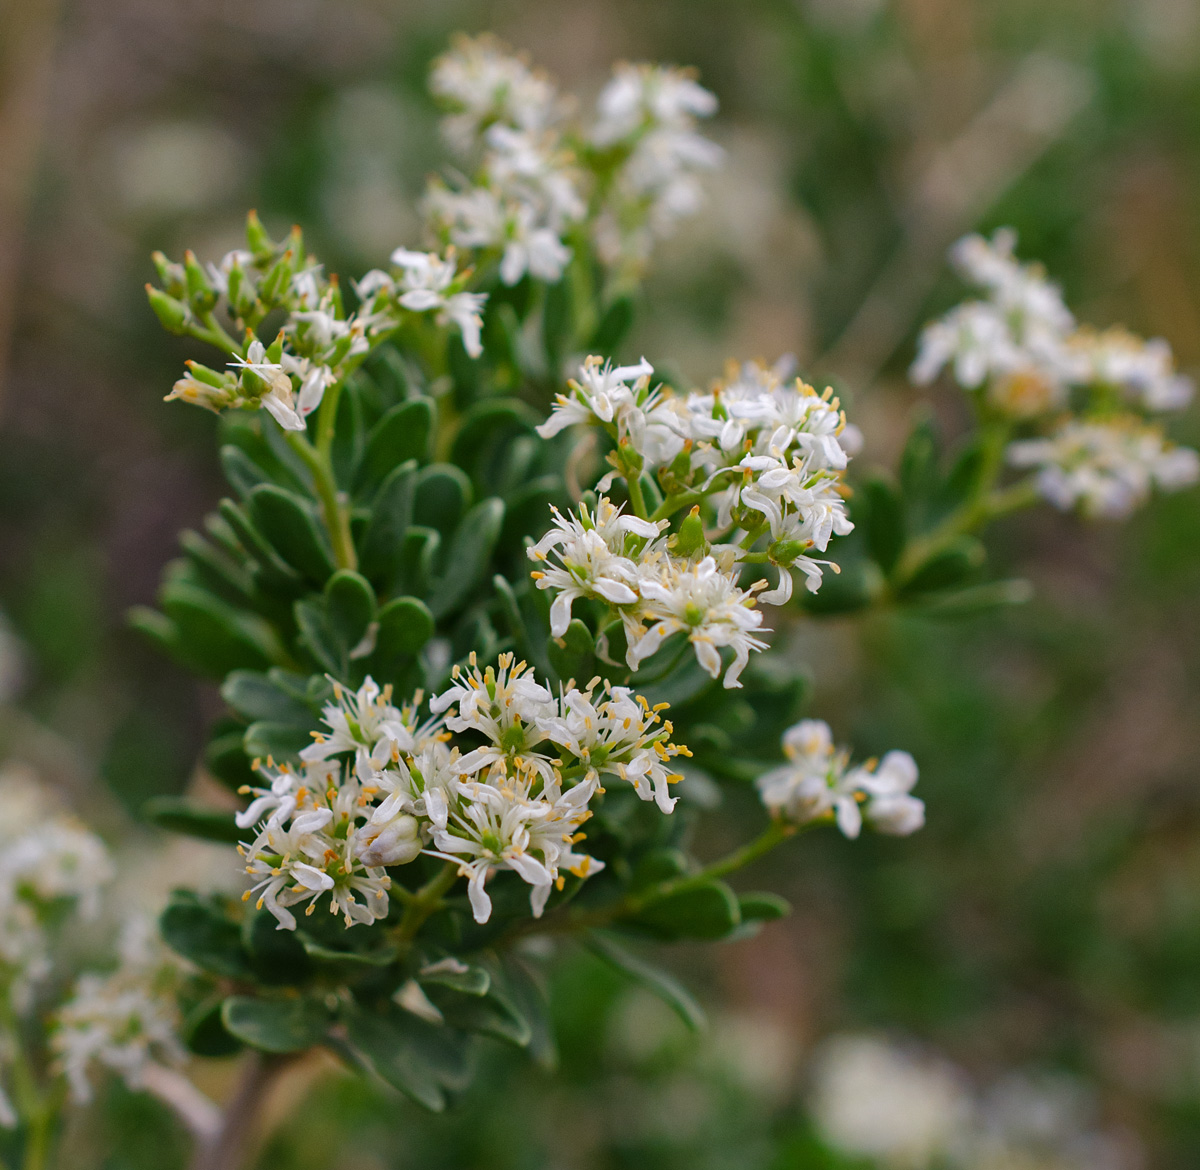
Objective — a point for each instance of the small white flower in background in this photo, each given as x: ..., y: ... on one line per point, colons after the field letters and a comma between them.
x: 1106, y: 469
x: 873, y: 1099
x: 485, y: 84
x: 1144, y: 370
x: 650, y: 111
x: 126, y: 1021
x: 46, y: 859
x: 817, y: 781
x: 1021, y: 291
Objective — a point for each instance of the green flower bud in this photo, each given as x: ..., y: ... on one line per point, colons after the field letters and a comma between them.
x: 201, y: 294
x: 173, y: 314
x: 257, y: 240
x: 785, y: 552
x: 689, y: 541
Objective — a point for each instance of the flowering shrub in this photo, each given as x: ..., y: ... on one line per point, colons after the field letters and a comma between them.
x: 481, y: 592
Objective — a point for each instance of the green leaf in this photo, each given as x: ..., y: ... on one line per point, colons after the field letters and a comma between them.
x: 350, y: 607
x: 402, y: 434
x: 275, y: 1025
x: 179, y: 815
x: 392, y: 1045
x: 976, y: 599
x: 317, y: 637
x: 272, y: 571
x: 658, y: 865
x: 277, y: 957
x: 383, y: 957
x: 919, y: 463
x: 346, y: 451
x: 652, y: 978
x: 417, y: 557
x: 527, y: 996
x: 558, y: 318
x: 391, y: 515
x: 614, y: 325
x: 212, y: 636
x: 405, y: 625
x: 256, y: 695
x: 200, y: 930
x: 217, y: 571
x: 243, y: 474
x: 852, y: 589
x: 204, y: 1031
x: 225, y: 757
x: 485, y: 438
x: 573, y: 655
x: 281, y: 741
x: 494, y: 1015
x: 762, y: 907
x: 953, y: 565
x: 443, y: 494
x: 707, y: 910
x: 885, y: 527
x: 473, y: 981
x: 468, y: 556
x: 290, y: 526
x: 962, y: 481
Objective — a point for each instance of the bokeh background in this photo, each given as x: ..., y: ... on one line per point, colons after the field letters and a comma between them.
x: 1043, y: 932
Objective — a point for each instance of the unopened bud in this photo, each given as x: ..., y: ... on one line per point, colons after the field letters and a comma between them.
x: 785, y: 552
x: 201, y: 294
x: 257, y: 240
x: 171, y: 313
x: 689, y: 541
x: 171, y: 275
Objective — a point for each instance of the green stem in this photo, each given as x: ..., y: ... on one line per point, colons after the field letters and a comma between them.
x: 334, y: 512
x: 636, y: 500
x: 774, y: 834
x: 215, y: 334
x: 327, y: 418
x: 425, y: 901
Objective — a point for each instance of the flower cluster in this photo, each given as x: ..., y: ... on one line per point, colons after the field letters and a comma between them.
x: 645, y: 132
x: 1090, y: 394
x: 537, y: 177
x: 319, y: 343
x: 126, y: 1021
x: 765, y: 458
x: 818, y: 782
x: 377, y: 788
x: 525, y: 194
x: 48, y: 863
x: 624, y: 562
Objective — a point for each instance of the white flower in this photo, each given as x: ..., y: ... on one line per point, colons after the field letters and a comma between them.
x: 592, y: 551
x: 126, y: 1021
x: 279, y: 398
x: 873, y: 1100
x: 618, y: 734
x: 604, y: 393
x: 891, y: 807
x: 1107, y: 469
x: 427, y: 283
x: 1021, y: 291
x: 367, y: 719
x: 707, y: 604
x: 817, y: 782
x: 1145, y: 370
x: 506, y: 828
x: 486, y: 84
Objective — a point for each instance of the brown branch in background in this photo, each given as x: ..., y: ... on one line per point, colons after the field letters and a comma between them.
x: 230, y: 1147
x: 27, y: 37
x: 964, y: 179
